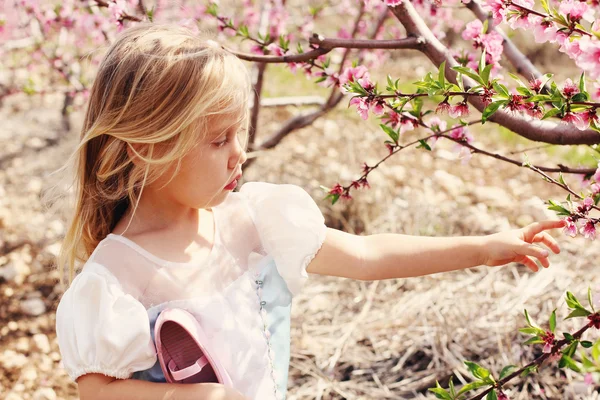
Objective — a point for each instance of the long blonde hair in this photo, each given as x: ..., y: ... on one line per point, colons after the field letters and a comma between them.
x: 158, y: 87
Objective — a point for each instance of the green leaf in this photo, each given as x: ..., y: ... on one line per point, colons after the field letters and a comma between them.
x: 441, y: 75
x: 491, y: 109
x: 596, y: 351
x: 587, y: 344
x: 528, y: 370
x: 481, y: 65
x: 551, y: 113
x: 529, y: 322
x: 524, y: 91
x: 150, y: 14
x: 570, y: 349
x: 491, y: 395
x: 546, y: 78
x: 501, y: 89
x: 568, y: 336
x: 485, y: 74
x: 579, y: 312
x: 516, y: 78
x: 423, y: 144
x: 533, y: 340
x: 539, y: 97
x: 567, y: 361
x: 553, y: 321
x: 471, y: 386
x: 532, y: 331
x: 390, y: 132
x: 470, y: 73
x: 507, y: 371
x: 477, y: 370
x: 582, y: 83
x: 580, y: 97
x: 440, y: 392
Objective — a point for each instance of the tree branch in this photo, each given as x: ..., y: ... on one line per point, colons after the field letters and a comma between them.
x: 536, y: 130
x: 519, y: 61
x: 335, y: 97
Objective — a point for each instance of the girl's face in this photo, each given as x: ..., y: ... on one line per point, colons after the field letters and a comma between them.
x: 206, y: 170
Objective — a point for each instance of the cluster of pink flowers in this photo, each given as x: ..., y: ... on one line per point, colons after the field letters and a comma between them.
x: 406, y: 122
x: 588, y: 229
x: 582, y: 47
x: 363, y: 105
x: 490, y: 42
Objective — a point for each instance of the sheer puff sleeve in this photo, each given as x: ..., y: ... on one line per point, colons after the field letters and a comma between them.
x: 100, y: 329
x: 290, y: 226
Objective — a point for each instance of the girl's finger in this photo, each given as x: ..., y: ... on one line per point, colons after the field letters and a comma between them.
x: 533, y: 251
x: 529, y: 263
x: 537, y: 227
x: 545, y: 238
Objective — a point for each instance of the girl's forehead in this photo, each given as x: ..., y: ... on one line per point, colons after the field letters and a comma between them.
x: 223, y: 123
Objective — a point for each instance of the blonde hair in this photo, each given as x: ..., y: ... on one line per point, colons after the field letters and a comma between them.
x: 158, y: 88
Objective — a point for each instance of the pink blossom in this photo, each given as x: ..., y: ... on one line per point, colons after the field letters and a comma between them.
x: 378, y: 107
x: 498, y: 9
x: 362, y: 106
x: 597, y: 174
x: 408, y: 123
x: 436, y: 124
x: 393, y: 3
x: 443, y: 107
x: 275, y: 49
x: 392, y: 118
x: 545, y: 32
x: 472, y: 30
x: 461, y: 133
x: 570, y: 228
x: 516, y: 103
x: 502, y: 395
x: 595, y: 188
x: 548, y: 339
x: 464, y: 153
x: 337, y: 189
x: 574, y: 119
x: 589, y: 59
x: 459, y: 110
x: 535, y: 85
x: 570, y: 89
x: 257, y: 49
x: 331, y: 77
x: 588, y: 379
x: 576, y: 10
x: 534, y: 110
x: 588, y: 230
x: 352, y: 74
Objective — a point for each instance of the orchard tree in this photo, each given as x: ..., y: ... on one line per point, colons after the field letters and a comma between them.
x: 483, y: 79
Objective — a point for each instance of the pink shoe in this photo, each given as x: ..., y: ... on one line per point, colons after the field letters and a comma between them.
x: 181, y: 353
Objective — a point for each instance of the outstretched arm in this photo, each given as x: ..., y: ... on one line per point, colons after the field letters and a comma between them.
x: 389, y: 255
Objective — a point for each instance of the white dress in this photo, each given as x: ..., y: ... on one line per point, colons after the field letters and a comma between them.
x: 265, y: 236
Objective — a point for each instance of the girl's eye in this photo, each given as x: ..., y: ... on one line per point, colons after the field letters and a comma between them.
x: 222, y: 143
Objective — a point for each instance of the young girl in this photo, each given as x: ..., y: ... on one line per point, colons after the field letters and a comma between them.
x: 157, y: 226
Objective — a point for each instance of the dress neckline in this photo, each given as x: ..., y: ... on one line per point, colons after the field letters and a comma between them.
x: 162, y: 261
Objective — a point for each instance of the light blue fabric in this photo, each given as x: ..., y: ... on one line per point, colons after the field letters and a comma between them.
x: 277, y: 304
x: 155, y: 373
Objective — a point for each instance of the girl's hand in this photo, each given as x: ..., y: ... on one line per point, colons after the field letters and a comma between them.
x: 517, y: 245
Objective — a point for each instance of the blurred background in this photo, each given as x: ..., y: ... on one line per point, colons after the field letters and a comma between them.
x: 350, y: 339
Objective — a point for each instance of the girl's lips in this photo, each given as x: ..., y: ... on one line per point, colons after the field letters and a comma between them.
x: 231, y: 185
